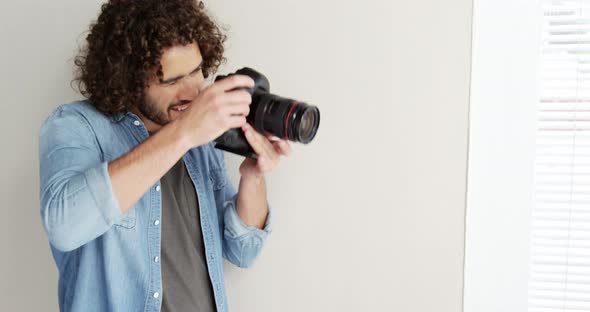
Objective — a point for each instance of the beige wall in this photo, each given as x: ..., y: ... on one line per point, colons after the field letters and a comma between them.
x: 370, y: 216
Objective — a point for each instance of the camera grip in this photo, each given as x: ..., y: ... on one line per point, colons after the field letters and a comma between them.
x: 234, y: 141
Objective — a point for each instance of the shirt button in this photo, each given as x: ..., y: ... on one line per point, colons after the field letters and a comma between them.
x: 137, y: 123
x: 157, y: 188
x: 156, y: 295
x: 156, y: 222
x: 156, y: 259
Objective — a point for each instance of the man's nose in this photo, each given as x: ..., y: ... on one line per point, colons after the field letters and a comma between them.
x: 188, y: 90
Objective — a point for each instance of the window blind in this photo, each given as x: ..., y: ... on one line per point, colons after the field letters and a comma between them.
x: 560, y: 239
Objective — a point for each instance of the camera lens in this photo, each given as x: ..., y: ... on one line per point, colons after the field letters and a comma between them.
x: 286, y: 118
x: 309, y: 125
x: 282, y: 117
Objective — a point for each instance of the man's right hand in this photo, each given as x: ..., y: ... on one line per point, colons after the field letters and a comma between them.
x: 219, y: 107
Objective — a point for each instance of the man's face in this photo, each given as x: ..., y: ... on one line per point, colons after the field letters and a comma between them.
x: 182, y: 78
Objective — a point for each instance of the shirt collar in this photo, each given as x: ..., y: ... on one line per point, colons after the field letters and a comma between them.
x: 117, y: 117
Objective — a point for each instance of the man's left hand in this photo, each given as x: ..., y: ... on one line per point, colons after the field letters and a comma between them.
x: 269, y: 150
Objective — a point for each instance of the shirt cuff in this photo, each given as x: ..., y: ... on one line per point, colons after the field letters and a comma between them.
x: 236, y: 228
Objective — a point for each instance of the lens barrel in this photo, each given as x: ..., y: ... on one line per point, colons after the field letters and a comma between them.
x: 285, y: 118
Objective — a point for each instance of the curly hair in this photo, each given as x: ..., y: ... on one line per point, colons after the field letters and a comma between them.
x: 125, y: 44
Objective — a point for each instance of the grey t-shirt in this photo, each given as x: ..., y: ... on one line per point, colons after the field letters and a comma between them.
x: 185, y: 279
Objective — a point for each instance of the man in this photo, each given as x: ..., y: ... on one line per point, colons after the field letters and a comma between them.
x: 134, y: 198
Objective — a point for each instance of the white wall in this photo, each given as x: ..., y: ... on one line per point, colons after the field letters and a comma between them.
x: 369, y: 216
x: 37, y: 40
x: 501, y: 154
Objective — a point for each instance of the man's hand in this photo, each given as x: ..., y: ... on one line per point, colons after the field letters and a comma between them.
x: 217, y: 108
x: 269, y: 150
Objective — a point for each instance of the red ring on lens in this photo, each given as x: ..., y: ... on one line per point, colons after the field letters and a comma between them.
x: 287, y: 120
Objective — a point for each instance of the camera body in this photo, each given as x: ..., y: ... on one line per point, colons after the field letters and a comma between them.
x: 270, y: 114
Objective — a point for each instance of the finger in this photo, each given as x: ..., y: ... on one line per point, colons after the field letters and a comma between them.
x: 282, y: 147
x: 273, y: 138
x: 238, y: 97
x: 233, y: 82
x: 272, y: 152
x: 261, y: 145
x: 237, y: 103
x: 237, y: 121
x: 251, y: 138
x: 239, y: 110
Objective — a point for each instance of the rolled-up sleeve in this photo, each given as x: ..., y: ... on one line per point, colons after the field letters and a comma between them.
x: 241, y: 243
x: 76, y: 197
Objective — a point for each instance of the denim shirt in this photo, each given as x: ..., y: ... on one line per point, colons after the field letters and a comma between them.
x: 109, y: 260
